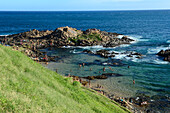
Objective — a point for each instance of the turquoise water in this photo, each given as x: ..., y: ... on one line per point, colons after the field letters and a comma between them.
x: 150, y: 29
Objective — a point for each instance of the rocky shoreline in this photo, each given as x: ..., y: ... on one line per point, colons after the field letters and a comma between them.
x: 141, y: 103
x: 107, y: 54
x: 32, y: 41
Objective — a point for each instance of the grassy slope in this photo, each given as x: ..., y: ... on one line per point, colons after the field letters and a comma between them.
x: 26, y: 86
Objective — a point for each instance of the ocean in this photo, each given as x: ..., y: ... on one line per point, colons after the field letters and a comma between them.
x: 150, y: 30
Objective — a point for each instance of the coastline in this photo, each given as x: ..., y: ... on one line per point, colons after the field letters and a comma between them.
x: 35, y: 88
x: 35, y: 51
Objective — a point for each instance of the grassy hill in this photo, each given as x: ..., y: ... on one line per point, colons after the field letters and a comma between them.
x: 26, y: 86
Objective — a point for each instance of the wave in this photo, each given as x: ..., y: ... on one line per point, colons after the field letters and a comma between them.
x: 153, y: 61
x: 168, y: 41
x: 75, y: 51
x: 85, y: 47
x: 123, y: 55
x: 138, y: 38
x: 5, y: 35
x: 157, y: 49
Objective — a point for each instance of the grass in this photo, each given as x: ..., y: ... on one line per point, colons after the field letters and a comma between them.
x: 26, y: 86
x: 89, y: 37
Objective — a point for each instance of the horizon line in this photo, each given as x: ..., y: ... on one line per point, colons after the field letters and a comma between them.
x: 83, y: 10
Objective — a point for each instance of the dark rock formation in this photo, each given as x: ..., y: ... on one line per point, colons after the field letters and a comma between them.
x: 87, y: 51
x: 165, y: 54
x: 67, y: 36
x: 64, y: 36
x: 103, y: 53
x: 103, y: 76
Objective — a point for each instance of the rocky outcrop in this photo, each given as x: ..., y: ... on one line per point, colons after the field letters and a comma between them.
x: 64, y: 36
x: 165, y: 54
x: 107, y: 54
x: 104, y: 53
x: 67, y: 36
x: 66, y: 32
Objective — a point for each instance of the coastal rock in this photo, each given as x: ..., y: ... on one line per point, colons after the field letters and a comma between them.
x: 165, y: 54
x: 103, y: 53
x: 92, y: 31
x: 103, y: 76
x: 64, y: 36
x: 138, y: 54
x: 34, y: 34
x: 66, y: 32
x: 83, y: 43
x: 87, y: 51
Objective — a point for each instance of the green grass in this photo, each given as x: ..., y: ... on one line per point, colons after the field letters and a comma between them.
x: 90, y: 37
x: 26, y: 86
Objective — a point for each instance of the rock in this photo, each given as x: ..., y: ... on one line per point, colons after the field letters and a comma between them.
x: 165, y: 54
x: 64, y: 36
x: 103, y: 76
x: 83, y: 43
x: 66, y: 32
x: 90, y: 77
x: 136, y: 54
x: 34, y: 34
x: 103, y: 53
x: 87, y: 51
x: 92, y: 31
x: 84, y: 83
x: 129, y: 56
x: 126, y: 39
x: 114, y: 53
x: 67, y: 36
x: 112, y: 74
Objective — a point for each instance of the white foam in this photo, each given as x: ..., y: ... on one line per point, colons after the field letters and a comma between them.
x: 90, y: 47
x: 120, y: 56
x: 168, y: 41
x: 158, y: 61
x: 137, y: 38
x: 68, y: 47
x: 124, y: 56
x: 4, y: 35
x: 157, y: 49
x: 75, y: 51
x: 120, y: 36
x: 124, y: 45
x: 148, y: 60
x: 104, y: 63
x: 84, y: 47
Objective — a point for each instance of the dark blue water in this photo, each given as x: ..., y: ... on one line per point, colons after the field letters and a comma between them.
x: 150, y: 29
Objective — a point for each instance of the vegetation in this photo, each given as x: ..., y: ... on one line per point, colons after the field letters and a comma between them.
x: 26, y: 86
x: 89, y: 37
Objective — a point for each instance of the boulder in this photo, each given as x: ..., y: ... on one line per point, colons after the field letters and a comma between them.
x: 87, y: 51
x: 92, y: 31
x: 165, y: 54
x: 103, y: 53
x: 103, y: 76
x: 66, y: 32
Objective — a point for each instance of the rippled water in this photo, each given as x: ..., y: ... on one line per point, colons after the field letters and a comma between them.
x: 150, y: 29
